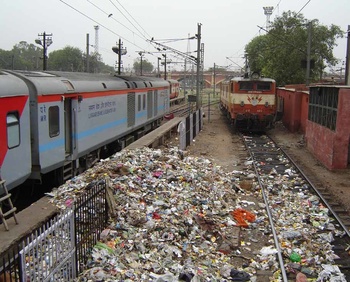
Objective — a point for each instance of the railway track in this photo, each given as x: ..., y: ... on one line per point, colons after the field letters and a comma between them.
x: 310, y: 230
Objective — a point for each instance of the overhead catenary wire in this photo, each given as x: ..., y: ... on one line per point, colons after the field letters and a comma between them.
x: 113, y: 18
x: 132, y: 17
x: 109, y: 29
x: 103, y: 26
x: 128, y: 19
x: 304, y: 6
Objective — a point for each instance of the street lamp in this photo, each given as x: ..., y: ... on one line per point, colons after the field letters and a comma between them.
x: 46, y: 42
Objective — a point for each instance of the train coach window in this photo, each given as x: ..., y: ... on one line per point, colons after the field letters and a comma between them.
x: 54, y: 121
x: 263, y: 86
x: 13, y: 133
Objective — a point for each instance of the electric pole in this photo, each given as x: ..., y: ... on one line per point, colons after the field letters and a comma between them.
x: 45, y: 43
x: 165, y: 76
x: 198, y: 65
x: 308, y: 55
x: 87, y: 53
x: 347, y: 63
x: 158, y: 59
x: 141, y: 57
x: 119, y: 50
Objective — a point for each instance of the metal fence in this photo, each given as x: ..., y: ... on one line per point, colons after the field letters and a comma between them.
x: 57, y: 251
x: 49, y: 253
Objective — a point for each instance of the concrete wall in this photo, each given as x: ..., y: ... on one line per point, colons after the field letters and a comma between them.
x: 295, y: 107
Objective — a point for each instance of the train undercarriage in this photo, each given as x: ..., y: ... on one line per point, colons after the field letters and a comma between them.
x: 249, y: 122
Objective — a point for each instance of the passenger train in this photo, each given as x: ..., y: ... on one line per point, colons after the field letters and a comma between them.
x: 58, y: 124
x: 249, y: 102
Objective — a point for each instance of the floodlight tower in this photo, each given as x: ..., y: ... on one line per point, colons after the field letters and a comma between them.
x: 96, y: 38
x: 268, y: 12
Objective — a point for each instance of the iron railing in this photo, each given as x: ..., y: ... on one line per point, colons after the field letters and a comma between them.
x: 57, y: 251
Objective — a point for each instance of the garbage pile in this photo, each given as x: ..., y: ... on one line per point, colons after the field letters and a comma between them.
x: 176, y: 216
x: 183, y: 218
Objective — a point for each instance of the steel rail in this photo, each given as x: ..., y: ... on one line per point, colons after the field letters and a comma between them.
x: 268, y: 210
x: 325, y: 202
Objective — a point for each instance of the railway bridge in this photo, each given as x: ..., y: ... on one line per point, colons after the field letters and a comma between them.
x: 208, y: 77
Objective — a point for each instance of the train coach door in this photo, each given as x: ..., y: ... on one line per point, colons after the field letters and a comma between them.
x: 68, y: 126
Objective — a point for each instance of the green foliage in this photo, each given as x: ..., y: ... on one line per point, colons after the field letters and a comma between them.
x: 280, y: 53
x: 26, y: 56
x: 147, y: 67
x: 66, y: 59
x: 23, y: 56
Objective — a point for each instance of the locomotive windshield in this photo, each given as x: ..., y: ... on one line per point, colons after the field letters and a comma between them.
x: 246, y: 85
x: 252, y: 85
x: 263, y: 86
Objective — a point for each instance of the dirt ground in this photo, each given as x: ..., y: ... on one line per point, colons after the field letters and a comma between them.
x: 216, y: 142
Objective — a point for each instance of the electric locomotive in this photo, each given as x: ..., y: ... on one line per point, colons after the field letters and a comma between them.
x: 58, y: 124
x: 174, y: 88
x: 249, y: 102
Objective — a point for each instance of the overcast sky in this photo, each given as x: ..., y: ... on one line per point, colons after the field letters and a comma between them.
x: 226, y: 25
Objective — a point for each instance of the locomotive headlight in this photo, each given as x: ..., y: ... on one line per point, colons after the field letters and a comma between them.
x: 242, y: 103
x: 266, y: 104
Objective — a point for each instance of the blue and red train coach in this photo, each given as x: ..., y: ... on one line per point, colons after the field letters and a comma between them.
x: 61, y: 123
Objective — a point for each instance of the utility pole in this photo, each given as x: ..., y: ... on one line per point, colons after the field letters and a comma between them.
x: 119, y: 55
x: 87, y: 53
x: 45, y: 43
x: 185, y: 77
x: 141, y: 56
x: 119, y: 50
x: 214, y: 75
x: 158, y: 59
x: 198, y: 64
x: 165, y: 74
x: 309, y: 27
x: 347, y: 64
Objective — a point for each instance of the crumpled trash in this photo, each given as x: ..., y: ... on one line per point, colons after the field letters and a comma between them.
x: 174, y: 214
x: 243, y: 216
x: 301, y: 277
x: 268, y: 251
x: 331, y: 273
x: 237, y: 275
x: 295, y: 257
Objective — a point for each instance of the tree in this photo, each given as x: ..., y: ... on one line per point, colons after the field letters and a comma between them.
x: 26, y: 56
x: 281, y: 53
x: 6, y: 59
x: 23, y: 56
x: 66, y: 59
x: 147, y: 67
